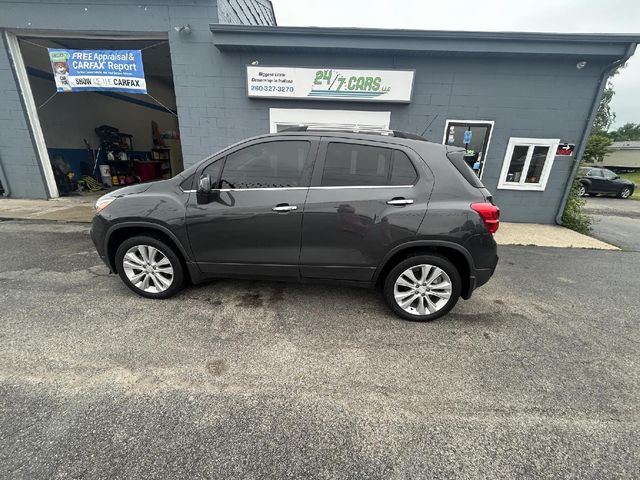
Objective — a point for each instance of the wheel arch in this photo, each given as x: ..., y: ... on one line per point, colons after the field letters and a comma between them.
x: 120, y: 232
x: 455, y: 253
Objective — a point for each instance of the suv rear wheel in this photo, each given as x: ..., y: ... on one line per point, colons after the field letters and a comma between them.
x: 149, y: 267
x: 422, y: 287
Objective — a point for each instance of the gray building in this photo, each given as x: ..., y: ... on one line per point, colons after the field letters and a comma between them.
x: 520, y: 103
x: 624, y: 155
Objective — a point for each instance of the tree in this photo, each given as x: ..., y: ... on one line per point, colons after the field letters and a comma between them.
x: 599, y: 141
x: 605, y: 116
x: 629, y: 131
x: 597, y: 148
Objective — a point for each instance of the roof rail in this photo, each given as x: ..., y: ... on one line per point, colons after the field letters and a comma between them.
x: 355, y: 129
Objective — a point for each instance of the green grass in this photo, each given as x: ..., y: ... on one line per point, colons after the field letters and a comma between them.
x: 635, y: 178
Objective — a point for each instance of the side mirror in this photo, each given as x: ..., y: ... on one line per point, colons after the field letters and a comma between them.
x: 204, y: 191
x: 204, y: 184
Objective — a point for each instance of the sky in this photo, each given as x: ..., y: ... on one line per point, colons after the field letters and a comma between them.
x: 562, y: 16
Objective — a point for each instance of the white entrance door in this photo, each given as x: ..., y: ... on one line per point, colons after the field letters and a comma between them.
x: 282, y: 118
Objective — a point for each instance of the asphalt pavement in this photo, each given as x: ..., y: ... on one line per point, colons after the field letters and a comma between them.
x: 535, y: 377
x: 615, y: 221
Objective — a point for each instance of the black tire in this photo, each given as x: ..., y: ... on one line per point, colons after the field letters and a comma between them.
x: 435, y: 260
x: 178, y: 271
x: 582, y: 190
x: 625, y: 193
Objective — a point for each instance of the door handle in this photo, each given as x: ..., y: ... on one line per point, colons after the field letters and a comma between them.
x: 284, y: 208
x: 400, y: 201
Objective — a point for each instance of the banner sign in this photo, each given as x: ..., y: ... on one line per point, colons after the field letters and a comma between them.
x: 329, y: 84
x: 98, y: 70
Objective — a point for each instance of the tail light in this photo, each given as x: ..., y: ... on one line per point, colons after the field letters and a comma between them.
x: 490, y: 215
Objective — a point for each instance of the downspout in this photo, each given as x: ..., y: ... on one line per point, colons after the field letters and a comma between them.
x: 587, y: 130
x: 3, y: 180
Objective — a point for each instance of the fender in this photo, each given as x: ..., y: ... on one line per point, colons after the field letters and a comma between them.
x: 153, y: 226
x: 426, y: 243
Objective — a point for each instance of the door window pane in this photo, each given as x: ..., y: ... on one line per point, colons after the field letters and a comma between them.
x: 268, y: 165
x: 403, y: 171
x: 537, y: 164
x: 516, y: 165
x: 608, y: 174
x: 357, y: 165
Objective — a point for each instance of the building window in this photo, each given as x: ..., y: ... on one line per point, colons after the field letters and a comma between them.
x: 527, y: 163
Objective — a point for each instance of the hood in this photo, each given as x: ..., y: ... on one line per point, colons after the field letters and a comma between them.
x: 139, y: 188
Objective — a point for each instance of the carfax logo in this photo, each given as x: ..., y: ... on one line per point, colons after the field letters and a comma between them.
x: 329, y: 83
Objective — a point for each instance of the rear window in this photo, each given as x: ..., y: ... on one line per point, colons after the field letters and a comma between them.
x: 457, y: 159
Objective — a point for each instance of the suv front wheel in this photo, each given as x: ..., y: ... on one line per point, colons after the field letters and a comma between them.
x: 149, y: 267
x: 422, y: 287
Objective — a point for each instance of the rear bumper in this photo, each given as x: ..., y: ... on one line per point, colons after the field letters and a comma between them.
x: 482, y: 276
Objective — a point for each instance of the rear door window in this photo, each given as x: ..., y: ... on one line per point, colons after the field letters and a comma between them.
x: 351, y: 164
x: 402, y: 172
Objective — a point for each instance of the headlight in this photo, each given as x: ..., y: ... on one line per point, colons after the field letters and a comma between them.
x: 103, y: 202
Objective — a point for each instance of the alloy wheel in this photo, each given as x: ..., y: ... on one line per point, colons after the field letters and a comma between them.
x: 582, y: 191
x: 148, y: 269
x: 422, y: 289
x: 626, y: 193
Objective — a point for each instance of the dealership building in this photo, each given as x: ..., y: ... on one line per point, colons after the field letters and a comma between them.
x: 521, y: 104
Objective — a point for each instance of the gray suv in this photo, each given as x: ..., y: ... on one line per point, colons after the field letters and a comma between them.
x: 386, y: 209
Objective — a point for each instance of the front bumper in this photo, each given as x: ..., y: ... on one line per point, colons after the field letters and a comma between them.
x: 98, y: 233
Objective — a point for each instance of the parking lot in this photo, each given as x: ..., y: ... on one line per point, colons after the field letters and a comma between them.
x: 615, y: 221
x: 536, y: 376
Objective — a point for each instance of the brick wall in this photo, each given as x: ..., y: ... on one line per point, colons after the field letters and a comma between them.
x: 545, y: 98
x: 17, y: 154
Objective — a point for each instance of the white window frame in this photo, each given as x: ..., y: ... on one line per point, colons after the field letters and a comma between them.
x: 331, y: 119
x: 552, y: 143
x: 479, y: 123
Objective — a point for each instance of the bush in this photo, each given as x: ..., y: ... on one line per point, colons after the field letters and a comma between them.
x: 573, y: 216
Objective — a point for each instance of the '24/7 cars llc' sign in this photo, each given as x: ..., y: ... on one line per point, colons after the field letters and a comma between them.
x: 98, y: 70
x: 330, y: 84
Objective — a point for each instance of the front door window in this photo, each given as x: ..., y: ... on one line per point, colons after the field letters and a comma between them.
x: 474, y: 137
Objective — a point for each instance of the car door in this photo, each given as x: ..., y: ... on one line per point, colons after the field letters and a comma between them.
x: 596, y: 181
x: 365, y: 198
x: 251, y: 222
x: 610, y: 183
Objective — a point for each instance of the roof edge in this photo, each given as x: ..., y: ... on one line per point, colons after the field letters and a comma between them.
x: 431, y: 34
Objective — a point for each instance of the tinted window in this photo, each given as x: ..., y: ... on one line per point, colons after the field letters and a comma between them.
x: 357, y: 165
x: 213, y: 170
x: 596, y: 172
x: 268, y: 165
x: 187, y: 184
x: 457, y: 159
x: 403, y: 171
x: 608, y: 174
